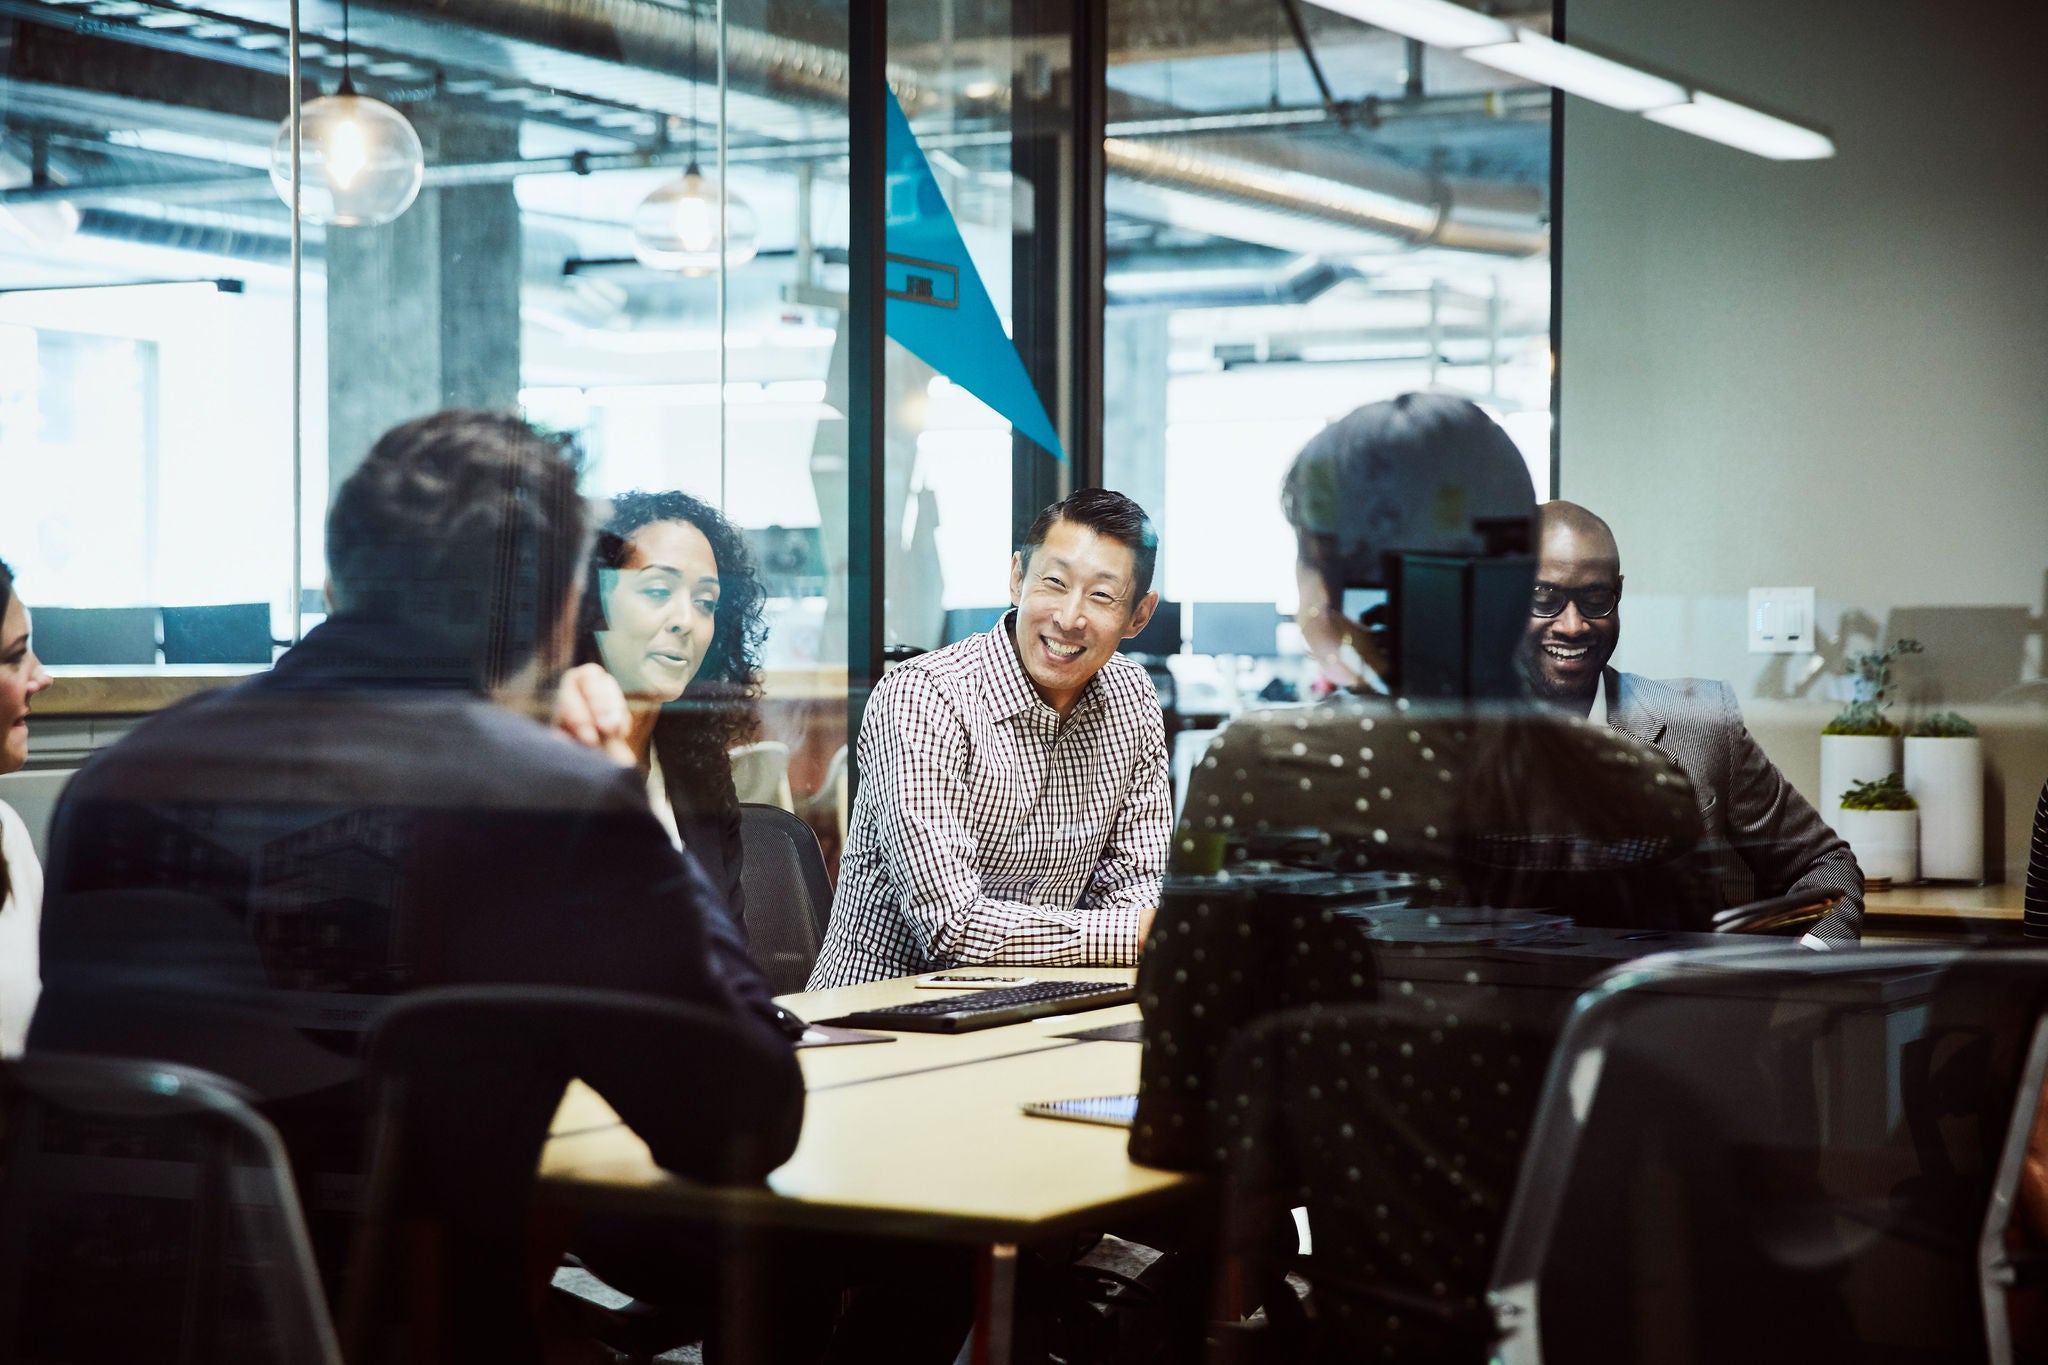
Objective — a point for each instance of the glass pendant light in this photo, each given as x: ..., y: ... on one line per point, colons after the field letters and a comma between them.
x: 360, y: 161
x: 677, y: 226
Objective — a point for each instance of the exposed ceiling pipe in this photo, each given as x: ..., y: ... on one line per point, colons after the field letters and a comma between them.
x: 1371, y: 112
x: 646, y: 34
x: 653, y: 38
x: 640, y: 39
x: 225, y: 239
x: 1416, y: 221
x: 1304, y: 280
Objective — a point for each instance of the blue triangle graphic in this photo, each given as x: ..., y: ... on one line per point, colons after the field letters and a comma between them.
x: 938, y: 308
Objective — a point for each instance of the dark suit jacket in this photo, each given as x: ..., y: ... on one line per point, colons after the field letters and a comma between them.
x: 1745, y: 802
x: 274, y: 858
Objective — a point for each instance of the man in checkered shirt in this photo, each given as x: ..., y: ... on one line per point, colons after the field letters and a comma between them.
x: 1013, y: 799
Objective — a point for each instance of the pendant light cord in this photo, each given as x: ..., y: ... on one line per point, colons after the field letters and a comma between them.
x: 348, y: 84
x: 694, y: 78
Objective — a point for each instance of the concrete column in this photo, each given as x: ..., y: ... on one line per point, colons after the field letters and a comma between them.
x: 423, y: 313
x: 1134, y: 347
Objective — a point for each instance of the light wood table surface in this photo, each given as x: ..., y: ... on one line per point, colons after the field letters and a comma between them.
x: 922, y: 1138
x: 1961, y: 904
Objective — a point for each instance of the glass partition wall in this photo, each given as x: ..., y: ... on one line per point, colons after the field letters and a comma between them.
x: 1154, y: 246
x: 1305, y: 213
x: 239, y: 240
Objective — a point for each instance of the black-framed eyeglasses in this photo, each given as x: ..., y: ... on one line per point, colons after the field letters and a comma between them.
x: 1595, y: 603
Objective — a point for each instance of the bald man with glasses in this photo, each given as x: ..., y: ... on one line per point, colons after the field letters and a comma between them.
x: 1747, y: 805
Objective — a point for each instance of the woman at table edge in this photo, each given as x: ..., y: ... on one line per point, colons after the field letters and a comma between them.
x: 22, y: 676
x: 672, y: 610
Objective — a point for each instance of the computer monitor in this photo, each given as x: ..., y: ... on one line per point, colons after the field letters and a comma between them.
x: 95, y: 635
x: 1251, y: 629
x: 1161, y: 636
x: 238, y: 633
x: 962, y: 622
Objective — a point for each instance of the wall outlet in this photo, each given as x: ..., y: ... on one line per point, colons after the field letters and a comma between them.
x: 1781, y: 620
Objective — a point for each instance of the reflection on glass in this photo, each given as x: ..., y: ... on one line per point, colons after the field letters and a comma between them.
x: 1274, y: 262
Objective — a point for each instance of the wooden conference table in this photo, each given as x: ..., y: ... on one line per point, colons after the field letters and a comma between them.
x: 1937, y: 912
x: 919, y: 1138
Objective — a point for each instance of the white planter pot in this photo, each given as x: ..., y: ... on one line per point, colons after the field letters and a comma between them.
x: 1848, y: 759
x: 1886, y: 844
x: 1946, y: 776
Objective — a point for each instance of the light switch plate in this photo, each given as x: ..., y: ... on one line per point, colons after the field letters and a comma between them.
x: 1781, y: 620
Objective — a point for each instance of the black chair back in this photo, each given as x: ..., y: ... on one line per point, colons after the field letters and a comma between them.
x: 1750, y: 1152
x: 1781, y: 1155
x: 468, y: 1079
x: 147, y: 1213
x: 789, y: 897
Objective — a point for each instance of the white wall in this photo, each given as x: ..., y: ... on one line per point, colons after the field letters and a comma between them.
x: 1830, y: 373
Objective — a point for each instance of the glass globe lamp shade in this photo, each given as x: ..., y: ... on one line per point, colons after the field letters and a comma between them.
x: 676, y: 227
x: 360, y: 162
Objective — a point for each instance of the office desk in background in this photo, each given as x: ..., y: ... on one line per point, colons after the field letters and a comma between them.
x: 918, y: 1138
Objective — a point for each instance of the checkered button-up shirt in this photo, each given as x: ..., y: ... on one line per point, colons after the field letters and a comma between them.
x: 988, y: 831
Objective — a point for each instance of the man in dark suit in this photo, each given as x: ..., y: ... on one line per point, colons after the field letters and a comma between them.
x: 1745, y: 803
x: 237, y: 883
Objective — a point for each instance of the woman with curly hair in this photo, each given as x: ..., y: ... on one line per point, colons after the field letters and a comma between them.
x: 673, y: 611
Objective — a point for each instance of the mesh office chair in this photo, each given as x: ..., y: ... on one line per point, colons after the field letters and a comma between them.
x: 1781, y: 1156
x: 1750, y: 1153
x: 148, y: 1214
x: 468, y: 1079
x: 788, y: 895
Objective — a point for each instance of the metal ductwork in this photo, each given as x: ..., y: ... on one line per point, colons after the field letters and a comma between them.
x: 1339, y: 189
x: 655, y: 40
x: 633, y: 54
x: 225, y: 238
x: 1305, y: 280
x: 1391, y: 203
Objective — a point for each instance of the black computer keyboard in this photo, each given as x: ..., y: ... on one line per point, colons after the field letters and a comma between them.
x: 989, y: 1009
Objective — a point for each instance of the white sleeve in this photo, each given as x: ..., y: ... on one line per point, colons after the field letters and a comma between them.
x: 20, y: 919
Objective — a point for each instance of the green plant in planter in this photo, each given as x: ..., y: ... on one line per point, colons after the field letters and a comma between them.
x: 1886, y: 793
x: 1946, y: 725
x: 1872, y: 670
x: 1860, y: 718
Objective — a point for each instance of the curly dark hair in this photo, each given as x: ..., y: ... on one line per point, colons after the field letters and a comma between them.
x: 717, y: 710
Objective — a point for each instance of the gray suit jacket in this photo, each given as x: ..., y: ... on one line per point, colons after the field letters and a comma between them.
x: 1745, y: 802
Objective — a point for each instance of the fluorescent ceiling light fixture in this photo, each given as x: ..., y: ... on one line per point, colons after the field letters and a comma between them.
x: 1746, y: 129
x: 1436, y: 22
x: 1579, y: 72
x: 1521, y: 52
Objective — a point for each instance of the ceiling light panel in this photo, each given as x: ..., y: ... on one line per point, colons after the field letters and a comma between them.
x: 1491, y: 42
x: 1746, y: 129
x: 1579, y: 72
